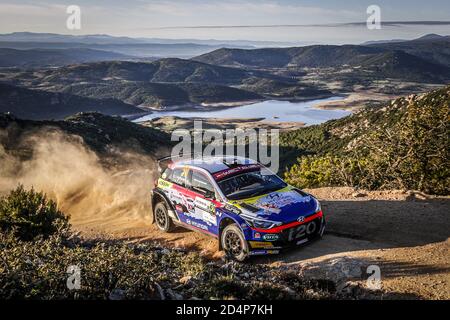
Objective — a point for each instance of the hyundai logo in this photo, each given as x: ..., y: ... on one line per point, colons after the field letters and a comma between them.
x: 301, y: 219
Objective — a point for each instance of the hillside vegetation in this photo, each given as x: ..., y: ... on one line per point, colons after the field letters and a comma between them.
x: 160, y: 84
x: 38, y: 104
x: 164, y: 70
x: 379, y: 62
x: 402, y: 145
x: 160, y: 95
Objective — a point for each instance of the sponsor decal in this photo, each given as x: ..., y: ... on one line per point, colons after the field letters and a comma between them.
x: 232, y: 208
x: 163, y: 184
x: 302, y: 230
x: 273, y: 202
x: 271, y: 237
x: 198, y: 208
x: 263, y: 252
x: 302, y: 241
x: 240, y: 169
x: 206, y: 210
x: 257, y: 235
x: 196, y: 224
x: 260, y: 244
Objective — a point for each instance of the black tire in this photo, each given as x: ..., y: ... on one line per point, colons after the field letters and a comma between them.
x: 161, y: 216
x: 234, y: 243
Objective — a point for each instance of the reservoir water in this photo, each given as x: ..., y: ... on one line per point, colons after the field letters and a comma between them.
x: 271, y: 110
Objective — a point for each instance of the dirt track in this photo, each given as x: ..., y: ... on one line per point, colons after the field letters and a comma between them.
x: 405, y: 233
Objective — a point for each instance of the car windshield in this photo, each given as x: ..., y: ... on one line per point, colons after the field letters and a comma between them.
x: 251, y: 184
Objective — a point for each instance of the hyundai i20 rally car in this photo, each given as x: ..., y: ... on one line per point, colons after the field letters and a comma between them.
x: 247, y: 207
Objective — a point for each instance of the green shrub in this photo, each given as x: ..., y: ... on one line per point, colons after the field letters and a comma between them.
x: 404, y: 146
x: 316, y: 172
x: 29, y: 214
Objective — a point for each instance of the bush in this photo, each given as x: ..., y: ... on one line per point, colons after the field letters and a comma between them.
x: 405, y: 146
x: 29, y: 214
x: 316, y: 172
x: 119, y: 270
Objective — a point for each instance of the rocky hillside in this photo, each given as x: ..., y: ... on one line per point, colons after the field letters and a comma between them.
x: 401, y: 145
x: 159, y: 95
x: 384, y: 60
x: 99, y: 132
x: 432, y: 47
x: 164, y: 70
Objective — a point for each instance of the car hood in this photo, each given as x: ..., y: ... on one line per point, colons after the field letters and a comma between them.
x: 285, y: 205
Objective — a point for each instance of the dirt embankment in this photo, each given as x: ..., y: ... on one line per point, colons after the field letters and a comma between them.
x: 404, y: 233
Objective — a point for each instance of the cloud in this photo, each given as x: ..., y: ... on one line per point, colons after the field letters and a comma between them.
x: 246, y: 12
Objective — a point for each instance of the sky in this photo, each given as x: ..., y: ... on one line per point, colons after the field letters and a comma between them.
x: 228, y: 19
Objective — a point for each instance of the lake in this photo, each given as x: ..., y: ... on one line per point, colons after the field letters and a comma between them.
x: 271, y: 110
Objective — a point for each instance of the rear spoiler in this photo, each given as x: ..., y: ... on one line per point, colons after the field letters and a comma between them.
x: 177, y: 157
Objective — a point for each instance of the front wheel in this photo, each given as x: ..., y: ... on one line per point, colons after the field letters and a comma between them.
x: 234, y: 243
x: 162, y: 219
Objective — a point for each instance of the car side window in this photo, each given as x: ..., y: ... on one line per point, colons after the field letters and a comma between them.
x: 178, y: 176
x: 199, y: 182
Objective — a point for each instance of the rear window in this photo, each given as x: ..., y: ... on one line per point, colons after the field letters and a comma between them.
x: 200, y: 183
x: 166, y: 174
x: 177, y: 176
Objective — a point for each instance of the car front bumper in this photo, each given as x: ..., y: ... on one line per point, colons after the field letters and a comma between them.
x: 288, y: 238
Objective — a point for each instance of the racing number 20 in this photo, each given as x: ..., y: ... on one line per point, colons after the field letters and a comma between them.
x: 301, y: 231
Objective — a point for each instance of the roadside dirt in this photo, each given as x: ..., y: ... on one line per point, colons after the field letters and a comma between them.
x: 406, y: 234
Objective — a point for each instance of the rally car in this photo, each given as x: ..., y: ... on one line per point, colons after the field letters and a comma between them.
x: 239, y: 201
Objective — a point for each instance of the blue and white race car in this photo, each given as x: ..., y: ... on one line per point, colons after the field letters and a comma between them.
x: 239, y: 201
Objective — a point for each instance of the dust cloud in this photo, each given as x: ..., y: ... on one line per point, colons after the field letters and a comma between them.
x: 92, y: 193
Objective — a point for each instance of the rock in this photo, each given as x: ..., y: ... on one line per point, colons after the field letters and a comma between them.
x: 290, y: 291
x: 185, y: 279
x: 359, y: 195
x: 160, y: 291
x: 174, y: 295
x: 117, y: 294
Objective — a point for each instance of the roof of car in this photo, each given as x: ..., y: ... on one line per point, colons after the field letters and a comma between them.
x: 215, y: 164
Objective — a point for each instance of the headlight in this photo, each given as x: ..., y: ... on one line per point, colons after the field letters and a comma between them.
x: 261, y: 224
x: 318, y: 207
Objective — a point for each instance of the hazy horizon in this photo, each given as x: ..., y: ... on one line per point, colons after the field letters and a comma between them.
x: 302, y: 21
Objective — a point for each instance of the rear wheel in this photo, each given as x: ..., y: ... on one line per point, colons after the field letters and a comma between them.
x: 162, y: 219
x: 234, y: 243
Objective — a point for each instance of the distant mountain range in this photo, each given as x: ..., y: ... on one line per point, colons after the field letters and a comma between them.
x: 133, y: 47
x: 54, y: 57
x: 431, y: 36
x: 107, y: 39
x: 42, y: 83
x: 425, y: 59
